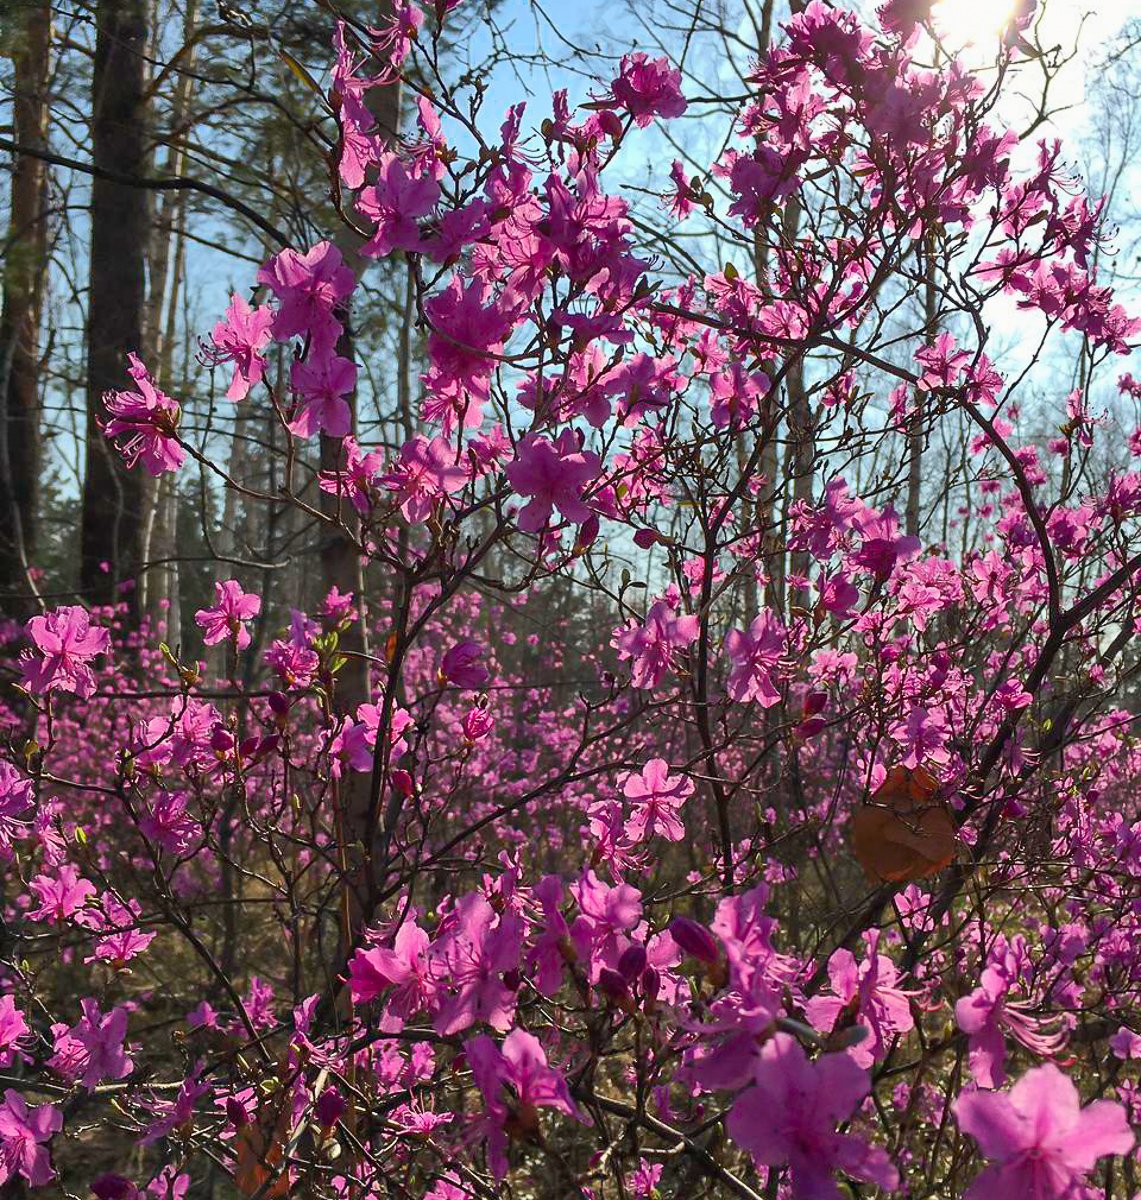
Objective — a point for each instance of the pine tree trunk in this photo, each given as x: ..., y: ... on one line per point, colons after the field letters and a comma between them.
x: 917, y: 432
x: 25, y: 272
x: 113, y: 498
x: 341, y: 567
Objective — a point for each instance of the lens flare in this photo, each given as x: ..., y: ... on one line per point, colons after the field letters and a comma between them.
x: 974, y: 22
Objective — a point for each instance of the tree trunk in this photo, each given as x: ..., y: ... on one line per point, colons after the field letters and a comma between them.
x: 25, y: 272
x: 917, y: 433
x: 113, y: 498
x: 159, y: 585
x: 802, y: 434
x: 341, y: 567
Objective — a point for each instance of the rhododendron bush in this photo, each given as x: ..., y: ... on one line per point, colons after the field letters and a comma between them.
x: 804, y: 861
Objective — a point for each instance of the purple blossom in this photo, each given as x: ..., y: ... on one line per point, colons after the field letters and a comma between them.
x: 986, y: 1016
x: 754, y: 656
x: 651, y: 646
x: 149, y: 418
x: 406, y: 968
x: 473, y: 954
x: 462, y: 667
x: 240, y: 339
x: 91, y: 1051
x: 65, y: 643
x: 869, y: 991
x: 656, y: 796
x: 308, y: 287
x: 1042, y: 1142
x: 24, y: 1133
x: 228, y: 616
x: 790, y: 1114
x: 554, y: 476
x: 515, y: 1082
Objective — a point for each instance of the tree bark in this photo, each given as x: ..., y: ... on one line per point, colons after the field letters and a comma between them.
x: 113, y: 498
x: 342, y: 567
x: 917, y: 432
x: 25, y: 272
x: 159, y: 585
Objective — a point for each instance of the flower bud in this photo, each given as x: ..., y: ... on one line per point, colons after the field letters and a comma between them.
x: 613, y: 985
x: 814, y: 703
x: 632, y: 962
x: 221, y: 740
x: 651, y: 986
x: 236, y: 1113
x: 477, y: 724
x: 694, y: 939
x: 113, y: 1187
x: 330, y: 1108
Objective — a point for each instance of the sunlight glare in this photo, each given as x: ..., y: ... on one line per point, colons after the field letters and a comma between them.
x: 972, y: 22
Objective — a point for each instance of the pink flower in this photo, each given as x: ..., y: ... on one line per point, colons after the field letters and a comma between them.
x: 944, y: 364
x: 1125, y: 1044
x: 240, y: 339
x: 13, y: 1031
x: 754, y: 656
x: 651, y: 646
x: 554, y: 475
x: 883, y: 547
x: 473, y: 955
x: 462, y: 667
x: 515, y: 1081
x: 295, y: 665
x: 67, y: 642
x: 466, y: 334
x: 608, y: 914
x: 427, y: 471
x: 24, y: 1133
x: 167, y: 823
x: 870, y: 988
x: 119, y: 923
x: 790, y: 1113
x: 734, y: 394
x: 308, y: 288
x: 91, y: 1051
x: 358, y: 145
x: 644, y: 1180
x: 227, y: 618
x: 405, y: 968
x: 656, y: 796
x: 357, y: 479
x: 759, y: 178
x: 17, y: 805
x: 477, y: 724
x: 170, y: 1114
x: 149, y: 418
x: 395, y: 204
x: 987, y: 1016
x: 838, y: 594
x: 60, y: 895
x: 648, y: 88
x: 338, y: 606
x: 552, y: 949
x: 322, y: 381
x: 923, y: 737
x: 1042, y: 1141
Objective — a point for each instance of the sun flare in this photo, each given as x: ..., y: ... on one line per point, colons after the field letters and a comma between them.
x: 973, y: 22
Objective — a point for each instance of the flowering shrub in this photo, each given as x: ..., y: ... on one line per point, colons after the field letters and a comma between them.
x: 772, y: 869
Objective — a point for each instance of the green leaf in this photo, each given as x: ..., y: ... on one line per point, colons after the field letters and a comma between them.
x: 302, y: 74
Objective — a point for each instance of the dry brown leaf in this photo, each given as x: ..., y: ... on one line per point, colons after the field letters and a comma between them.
x: 906, y: 831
